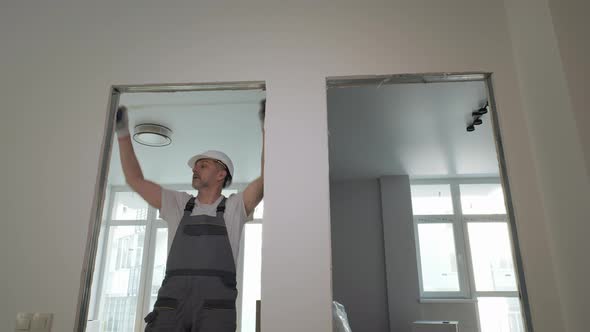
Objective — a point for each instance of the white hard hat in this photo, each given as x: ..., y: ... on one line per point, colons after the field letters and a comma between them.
x: 216, y: 155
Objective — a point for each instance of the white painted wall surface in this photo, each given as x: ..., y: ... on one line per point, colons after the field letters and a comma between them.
x: 557, y: 149
x: 571, y: 25
x: 58, y: 60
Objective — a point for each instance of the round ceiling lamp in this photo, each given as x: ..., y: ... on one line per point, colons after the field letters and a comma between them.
x: 150, y: 134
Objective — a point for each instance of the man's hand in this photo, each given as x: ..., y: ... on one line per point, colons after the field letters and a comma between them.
x: 150, y: 191
x: 254, y: 192
x: 122, y: 122
x: 262, y: 113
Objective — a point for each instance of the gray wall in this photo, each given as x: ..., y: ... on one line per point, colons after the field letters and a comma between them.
x: 400, y: 252
x: 570, y: 19
x: 358, y: 262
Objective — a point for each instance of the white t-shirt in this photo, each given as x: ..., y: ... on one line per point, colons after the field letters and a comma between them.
x: 172, y: 211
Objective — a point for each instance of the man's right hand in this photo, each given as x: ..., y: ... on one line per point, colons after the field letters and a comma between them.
x: 122, y: 122
x: 150, y: 191
x: 262, y: 113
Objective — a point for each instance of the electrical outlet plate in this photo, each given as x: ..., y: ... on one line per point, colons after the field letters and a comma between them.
x: 41, y: 322
x: 23, y: 321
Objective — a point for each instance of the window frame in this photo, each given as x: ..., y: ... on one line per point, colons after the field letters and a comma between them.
x: 149, y: 223
x: 464, y: 286
x: 494, y: 218
x: 468, y: 290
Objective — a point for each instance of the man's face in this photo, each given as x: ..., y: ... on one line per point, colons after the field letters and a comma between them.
x: 207, y: 173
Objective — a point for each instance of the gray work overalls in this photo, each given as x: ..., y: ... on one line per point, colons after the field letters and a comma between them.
x: 199, y: 291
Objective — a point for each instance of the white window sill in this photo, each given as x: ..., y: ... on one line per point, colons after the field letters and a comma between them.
x: 428, y: 300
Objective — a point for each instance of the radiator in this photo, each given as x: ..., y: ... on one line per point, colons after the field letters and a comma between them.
x: 435, y: 326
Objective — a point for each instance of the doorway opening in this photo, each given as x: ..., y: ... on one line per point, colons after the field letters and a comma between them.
x: 128, y: 240
x: 423, y: 229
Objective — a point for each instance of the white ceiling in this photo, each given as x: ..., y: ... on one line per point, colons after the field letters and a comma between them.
x: 200, y: 121
x: 414, y: 129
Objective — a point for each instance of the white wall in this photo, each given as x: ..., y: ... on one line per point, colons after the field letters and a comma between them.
x: 59, y: 59
x: 358, y: 262
x: 557, y: 149
x: 571, y: 24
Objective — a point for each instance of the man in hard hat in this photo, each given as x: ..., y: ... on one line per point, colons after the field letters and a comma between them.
x: 198, y: 293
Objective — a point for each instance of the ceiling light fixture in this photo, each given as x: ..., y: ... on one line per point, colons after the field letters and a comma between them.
x: 154, y: 135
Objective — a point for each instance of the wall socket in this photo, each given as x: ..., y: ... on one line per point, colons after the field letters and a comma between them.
x: 33, y: 322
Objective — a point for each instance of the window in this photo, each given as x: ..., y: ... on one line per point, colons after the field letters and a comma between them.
x: 121, y: 277
x: 500, y: 314
x: 132, y: 261
x: 159, y: 269
x: 442, y: 272
x: 259, y: 210
x: 464, y: 249
x: 482, y: 198
x: 438, y: 258
x: 493, y: 269
x: 129, y: 206
x: 251, y: 275
x: 432, y: 199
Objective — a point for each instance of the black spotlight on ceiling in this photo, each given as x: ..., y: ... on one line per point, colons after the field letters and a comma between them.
x: 477, y: 117
x: 481, y: 111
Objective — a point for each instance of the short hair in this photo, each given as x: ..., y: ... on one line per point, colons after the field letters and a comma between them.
x: 227, y: 180
x: 228, y: 176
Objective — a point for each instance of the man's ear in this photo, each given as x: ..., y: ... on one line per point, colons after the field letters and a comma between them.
x: 221, y: 175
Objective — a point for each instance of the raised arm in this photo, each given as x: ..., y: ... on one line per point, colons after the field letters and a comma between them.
x: 254, y: 192
x: 150, y: 191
